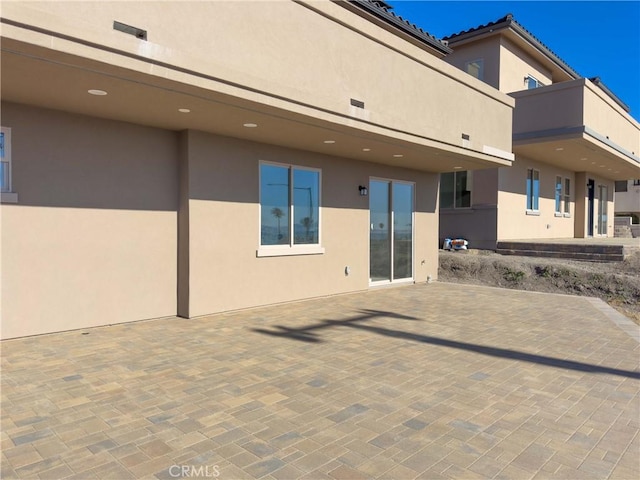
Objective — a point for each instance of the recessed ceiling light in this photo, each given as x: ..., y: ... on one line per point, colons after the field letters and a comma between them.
x: 329, y: 141
x: 250, y: 125
x: 608, y: 169
x: 559, y: 149
x: 593, y: 163
x: 398, y: 155
x: 184, y: 110
x: 617, y: 171
x: 96, y: 92
x: 457, y: 168
x: 601, y: 166
x: 583, y: 158
x: 366, y: 149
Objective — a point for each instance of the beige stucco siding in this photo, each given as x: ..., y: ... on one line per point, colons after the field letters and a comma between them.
x: 225, y: 271
x: 92, y: 239
x: 513, y: 220
x: 316, y: 55
x: 488, y: 50
x: 515, y: 65
x: 603, y: 116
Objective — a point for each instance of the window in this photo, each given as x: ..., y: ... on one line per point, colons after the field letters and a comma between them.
x: 563, y: 197
x: 532, y: 82
x: 455, y: 189
x: 621, y: 185
x: 289, y: 209
x: 5, y: 159
x: 7, y: 195
x: 475, y: 68
x: 567, y: 196
x: 558, y: 194
x: 636, y: 182
x: 533, y: 189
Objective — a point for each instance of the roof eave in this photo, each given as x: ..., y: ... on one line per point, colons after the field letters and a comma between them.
x: 510, y: 23
x: 405, y: 26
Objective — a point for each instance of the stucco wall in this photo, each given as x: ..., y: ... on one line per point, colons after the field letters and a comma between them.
x: 92, y: 239
x: 488, y: 50
x: 317, y: 54
x: 515, y: 65
x: 226, y: 274
x: 629, y: 201
x: 513, y: 221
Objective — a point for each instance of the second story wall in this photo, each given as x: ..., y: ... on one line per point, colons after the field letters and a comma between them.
x: 487, y: 51
x: 516, y: 65
x: 315, y: 54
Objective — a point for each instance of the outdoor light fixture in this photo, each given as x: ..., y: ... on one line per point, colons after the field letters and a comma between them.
x: 363, y: 190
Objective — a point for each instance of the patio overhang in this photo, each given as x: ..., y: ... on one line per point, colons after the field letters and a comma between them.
x: 576, y: 126
x: 152, y: 94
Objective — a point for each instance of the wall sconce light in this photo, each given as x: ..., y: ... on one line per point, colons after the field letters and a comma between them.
x: 363, y: 190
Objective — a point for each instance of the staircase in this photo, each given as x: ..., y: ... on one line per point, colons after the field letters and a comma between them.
x: 622, y: 231
x: 591, y: 253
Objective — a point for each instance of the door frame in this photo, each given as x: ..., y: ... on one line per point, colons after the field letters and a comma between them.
x: 391, y: 281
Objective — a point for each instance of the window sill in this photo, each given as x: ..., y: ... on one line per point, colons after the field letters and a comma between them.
x: 566, y: 215
x: 8, y: 197
x: 285, y: 250
x: 533, y: 212
x: 558, y: 214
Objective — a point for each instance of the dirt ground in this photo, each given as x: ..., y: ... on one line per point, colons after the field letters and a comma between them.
x: 617, y: 283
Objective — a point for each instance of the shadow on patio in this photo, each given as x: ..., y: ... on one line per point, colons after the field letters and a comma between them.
x: 310, y: 334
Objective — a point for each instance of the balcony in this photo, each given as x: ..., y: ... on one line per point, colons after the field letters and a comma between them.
x: 312, y: 76
x: 577, y: 126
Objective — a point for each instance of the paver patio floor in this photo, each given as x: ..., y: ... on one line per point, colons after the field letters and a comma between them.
x: 424, y: 381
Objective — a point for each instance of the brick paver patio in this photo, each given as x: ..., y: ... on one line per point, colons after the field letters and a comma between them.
x: 425, y: 381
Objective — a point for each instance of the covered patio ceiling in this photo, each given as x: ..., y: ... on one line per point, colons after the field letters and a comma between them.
x: 47, y: 78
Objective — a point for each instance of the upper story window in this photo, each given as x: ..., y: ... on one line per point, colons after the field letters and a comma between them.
x: 289, y: 210
x: 475, y: 68
x: 636, y: 182
x: 455, y: 189
x: 533, y: 190
x: 532, y: 82
x: 5, y: 159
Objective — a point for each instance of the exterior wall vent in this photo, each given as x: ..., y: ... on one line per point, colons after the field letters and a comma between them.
x: 136, y: 32
x: 357, y: 103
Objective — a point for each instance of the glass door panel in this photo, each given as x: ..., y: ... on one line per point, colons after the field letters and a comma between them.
x: 602, y: 209
x: 402, y: 231
x: 380, y: 233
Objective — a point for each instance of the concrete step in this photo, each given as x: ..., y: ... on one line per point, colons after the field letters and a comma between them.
x: 592, y: 253
x: 622, y: 231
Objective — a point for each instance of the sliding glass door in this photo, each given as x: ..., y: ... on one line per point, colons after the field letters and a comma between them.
x: 391, y: 231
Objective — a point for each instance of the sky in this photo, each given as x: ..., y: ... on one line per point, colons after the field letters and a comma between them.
x: 595, y: 38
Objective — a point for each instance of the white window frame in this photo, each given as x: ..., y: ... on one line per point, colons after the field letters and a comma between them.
x: 291, y: 248
x: 533, y: 211
x: 528, y: 78
x: 8, y: 195
x: 566, y: 197
x: 480, y: 63
x: 558, y: 195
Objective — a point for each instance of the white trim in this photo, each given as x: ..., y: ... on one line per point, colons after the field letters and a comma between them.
x: 391, y: 281
x: 533, y: 212
x: 496, y: 152
x: 286, y: 250
x: 291, y: 248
